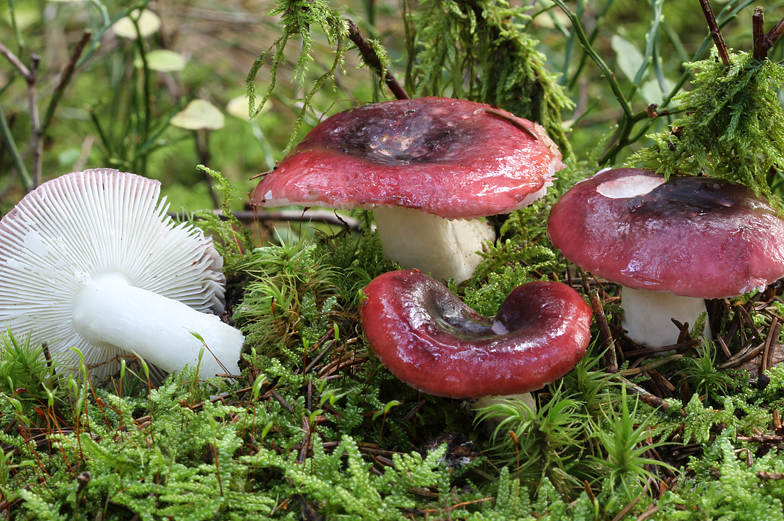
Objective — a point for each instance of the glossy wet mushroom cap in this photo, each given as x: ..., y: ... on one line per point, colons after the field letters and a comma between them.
x: 447, y: 157
x: 690, y: 236
x: 431, y: 340
x: 430, y: 168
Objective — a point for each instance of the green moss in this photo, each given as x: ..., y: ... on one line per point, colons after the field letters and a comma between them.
x: 732, y: 125
x: 479, y: 50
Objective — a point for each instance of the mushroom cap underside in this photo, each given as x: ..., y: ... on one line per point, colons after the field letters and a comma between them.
x: 91, y: 224
x: 448, y: 157
x: 428, y: 338
x: 692, y: 236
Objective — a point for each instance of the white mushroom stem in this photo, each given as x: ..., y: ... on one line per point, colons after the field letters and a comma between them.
x: 647, y: 315
x: 442, y: 247
x: 109, y: 310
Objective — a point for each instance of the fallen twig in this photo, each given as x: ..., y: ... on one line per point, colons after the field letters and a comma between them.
x: 715, y: 33
x: 371, y: 59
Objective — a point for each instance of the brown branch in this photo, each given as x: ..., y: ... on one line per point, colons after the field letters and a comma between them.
x: 718, y: 39
x: 30, y: 75
x: 65, y: 78
x: 774, y: 34
x: 627, y: 509
x: 681, y: 346
x: 35, y: 122
x: 758, y: 32
x: 645, y: 396
x: 611, y: 360
x: 371, y: 59
x: 18, y: 65
x: 770, y: 345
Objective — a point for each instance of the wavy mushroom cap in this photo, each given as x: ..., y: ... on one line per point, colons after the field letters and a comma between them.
x: 87, y: 225
x: 446, y: 157
x: 428, y: 338
x: 691, y: 236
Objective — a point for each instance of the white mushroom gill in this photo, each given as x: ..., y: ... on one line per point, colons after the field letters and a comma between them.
x: 90, y: 260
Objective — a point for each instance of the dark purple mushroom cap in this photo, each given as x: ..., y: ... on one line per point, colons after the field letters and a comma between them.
x: 428, y: 338
x: 692, y: 236
x: 447, y: 157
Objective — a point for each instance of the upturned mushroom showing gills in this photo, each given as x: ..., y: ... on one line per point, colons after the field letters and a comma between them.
x: 90, y: 260
x: 430, y: 168
x: 428, y: 338
x: 670, y: 244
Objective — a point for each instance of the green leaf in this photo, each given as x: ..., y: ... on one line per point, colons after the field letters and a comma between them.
x: 628, y: 57
x: 651, y: 91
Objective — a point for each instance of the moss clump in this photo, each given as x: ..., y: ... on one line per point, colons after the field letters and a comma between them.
x: 733, y: 125
x: 478, y: 50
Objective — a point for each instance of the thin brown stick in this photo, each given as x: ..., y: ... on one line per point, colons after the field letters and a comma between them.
x: 653, y: 365
x: 65, y: 78
x: 739, y: 358
x: 30, y: 75
x: 774, y: 34
x: 604, y: 333
x: 724, y: 348
x: 681, y: 346
x: 662, y: 381
x: 514, y: 120
x: 652, y: 509
x: 766, y: 346
x: 35, y: 122
x: 16, y: 62
x: 645, y: 396
x: 627, y: 509
x: 745, y: 317
x: 718, y: 39
x: 773, y: 335
x: 758, y: 32
x: 371, y: 59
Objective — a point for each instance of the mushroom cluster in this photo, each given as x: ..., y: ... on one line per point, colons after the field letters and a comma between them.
x: 428, y: 338
x: 91, y: 261
x: 430, y: 168
x: 670, y: 244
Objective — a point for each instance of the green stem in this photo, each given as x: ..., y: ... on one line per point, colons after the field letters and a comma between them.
x: 65, y: 79
x: 569, y: 52
x: 5, y: 131
x: 584, y: 58
x: 17, y: 32
x: 145, y: 90
x: 578, y: 28
x: 107, y: 24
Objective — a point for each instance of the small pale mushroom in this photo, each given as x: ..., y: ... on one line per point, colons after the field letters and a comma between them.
x: 430, y: 168
x: 670, y: 244
x: 90, y: 260
x: 428, y: 338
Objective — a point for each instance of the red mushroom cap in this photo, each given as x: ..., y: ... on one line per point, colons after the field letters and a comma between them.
x: 447, y: 157
x: 692, y: 236
x: 427, y: 337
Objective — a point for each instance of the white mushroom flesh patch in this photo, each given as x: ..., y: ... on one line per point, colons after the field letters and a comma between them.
x: 77, y: 229
x: 627, y: 187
